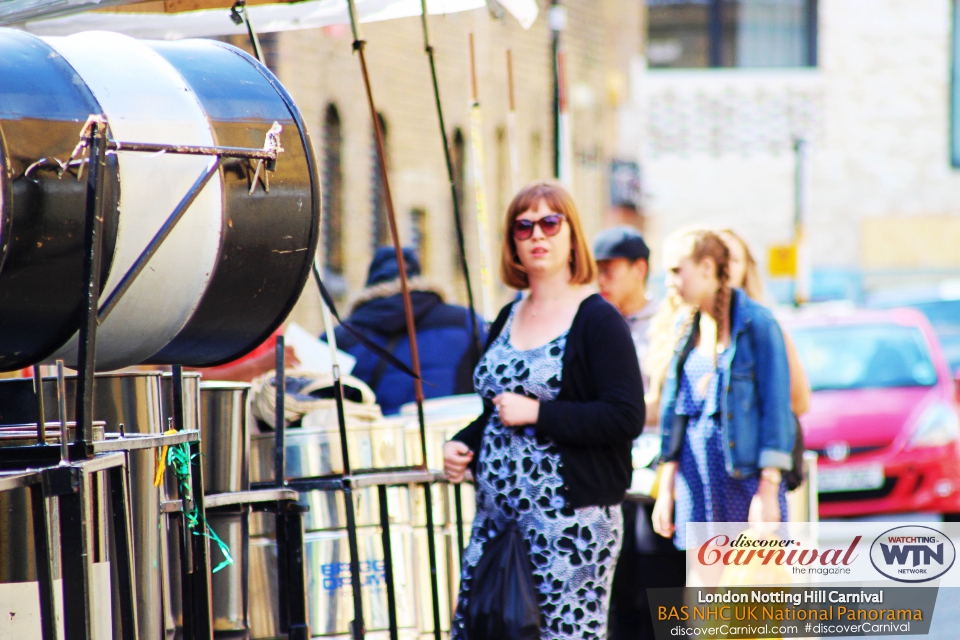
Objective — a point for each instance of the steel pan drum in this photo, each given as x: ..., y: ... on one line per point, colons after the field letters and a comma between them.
x: 315, y: 451
x: 329, y: 583
x: 43, y: 106
x: 224, y: 440
x: 233, y: 266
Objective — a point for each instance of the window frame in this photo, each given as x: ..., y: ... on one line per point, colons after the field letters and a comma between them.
x: 715, y: 38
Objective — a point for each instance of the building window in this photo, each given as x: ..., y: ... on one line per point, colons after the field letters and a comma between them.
x: 378, y: 196
x: 418, y: 227
x: 731, y: 33
x: 458, y: 157
x: 332, y: 180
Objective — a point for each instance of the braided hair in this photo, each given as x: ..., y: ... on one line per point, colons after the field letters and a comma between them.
x: 708, y: 244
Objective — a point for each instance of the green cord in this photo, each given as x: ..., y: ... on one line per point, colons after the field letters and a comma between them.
x: 179, y: 459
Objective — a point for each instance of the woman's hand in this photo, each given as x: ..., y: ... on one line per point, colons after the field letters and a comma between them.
x: 663, y: 509
x: 456, y: 458
x: 663, y: 515
x: 516, y: 410
x: 765, y: 505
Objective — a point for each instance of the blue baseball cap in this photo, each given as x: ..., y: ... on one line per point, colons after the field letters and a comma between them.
x: 620, y: 242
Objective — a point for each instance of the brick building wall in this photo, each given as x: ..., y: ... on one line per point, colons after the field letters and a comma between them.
x: 319, y: 69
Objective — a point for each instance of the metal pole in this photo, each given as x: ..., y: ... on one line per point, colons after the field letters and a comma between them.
x: 556, y: 19
x: 202, y: 596
x: 457, y: 214
x: 280, y: 479
x: 38, y: 505
x: 75, y: 559
x: 358, y: 46
x: 388, y: 561
x: 458, y: 510
x: 801, y: 203
x: 279, y: 452
x: 432, y: 554
x: 62, y: 408
x: 479, y: 190
x: 126, y: 587
x: 239, y: 13
x: 93, y: 225
x: 41, y: 413
x: 512, y: 141
x: 357, y: 627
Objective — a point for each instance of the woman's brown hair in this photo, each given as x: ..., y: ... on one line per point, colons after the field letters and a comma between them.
x: 708, y: 244
x: 674, y: 317
x: 752, y: 280
x: 583, y: 268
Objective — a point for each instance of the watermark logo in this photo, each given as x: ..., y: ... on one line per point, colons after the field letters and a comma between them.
x: 912, y: 553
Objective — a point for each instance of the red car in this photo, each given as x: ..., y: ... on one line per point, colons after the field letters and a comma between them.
x: 883, y: 416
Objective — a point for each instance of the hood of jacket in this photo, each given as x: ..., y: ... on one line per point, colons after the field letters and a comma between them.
x: 380, y: 308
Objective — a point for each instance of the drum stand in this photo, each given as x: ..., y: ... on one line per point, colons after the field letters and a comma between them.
x: 347, y: 483
x: 68, y: 467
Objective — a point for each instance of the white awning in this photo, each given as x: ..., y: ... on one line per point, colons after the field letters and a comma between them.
x: 265, y: 18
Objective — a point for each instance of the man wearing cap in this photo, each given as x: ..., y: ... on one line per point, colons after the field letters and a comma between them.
x: 623, y: 259
x: 646, y: 560
x: 444, y: 334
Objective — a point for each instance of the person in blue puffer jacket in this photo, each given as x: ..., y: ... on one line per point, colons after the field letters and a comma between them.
x: 447, y: 349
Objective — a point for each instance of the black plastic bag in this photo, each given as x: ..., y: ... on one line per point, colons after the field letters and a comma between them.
x: 502, y: 604
x: 795, y: 477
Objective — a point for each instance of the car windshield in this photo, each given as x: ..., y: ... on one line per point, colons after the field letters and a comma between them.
x: 864, y: 356
x: 944, y: 313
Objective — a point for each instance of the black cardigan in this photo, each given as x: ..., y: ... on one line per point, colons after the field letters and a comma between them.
x: 598, y: 411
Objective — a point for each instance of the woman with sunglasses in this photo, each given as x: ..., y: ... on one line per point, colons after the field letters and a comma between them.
x: 563, y: 402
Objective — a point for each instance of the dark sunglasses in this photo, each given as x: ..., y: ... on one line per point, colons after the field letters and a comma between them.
x: 550, y: 224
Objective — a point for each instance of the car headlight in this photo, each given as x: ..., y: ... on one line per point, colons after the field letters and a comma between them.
x: 937, y: 426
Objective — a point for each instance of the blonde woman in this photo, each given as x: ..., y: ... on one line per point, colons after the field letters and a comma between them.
x: 726, y: 428
x: 666, y: 325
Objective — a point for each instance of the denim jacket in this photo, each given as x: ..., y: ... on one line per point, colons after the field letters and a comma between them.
x: 755, y: 416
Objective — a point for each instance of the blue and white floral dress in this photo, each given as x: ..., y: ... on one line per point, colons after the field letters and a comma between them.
x: 705, y: 491
x: 573, y: 551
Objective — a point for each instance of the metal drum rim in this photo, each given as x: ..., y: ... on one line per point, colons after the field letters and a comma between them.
x: 223, y: 385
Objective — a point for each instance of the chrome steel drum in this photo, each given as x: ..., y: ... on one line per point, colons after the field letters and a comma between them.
x: 19, y: 589
x: 315, y: 451
x: 224, y: 440
x: 329, y: 583
x: 191, y: 400
x: 43, y: 106
x: 443, y: 418
x: 233, y: 266
x: 229, y: 593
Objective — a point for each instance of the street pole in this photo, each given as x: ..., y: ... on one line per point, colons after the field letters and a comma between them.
x: 803, y: 276
x: 557, y: 20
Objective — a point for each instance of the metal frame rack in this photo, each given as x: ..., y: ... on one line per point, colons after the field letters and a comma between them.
x: 83, y: 456
x: 66, y: 468
x: 69, y: 483
x: 347, y: 482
